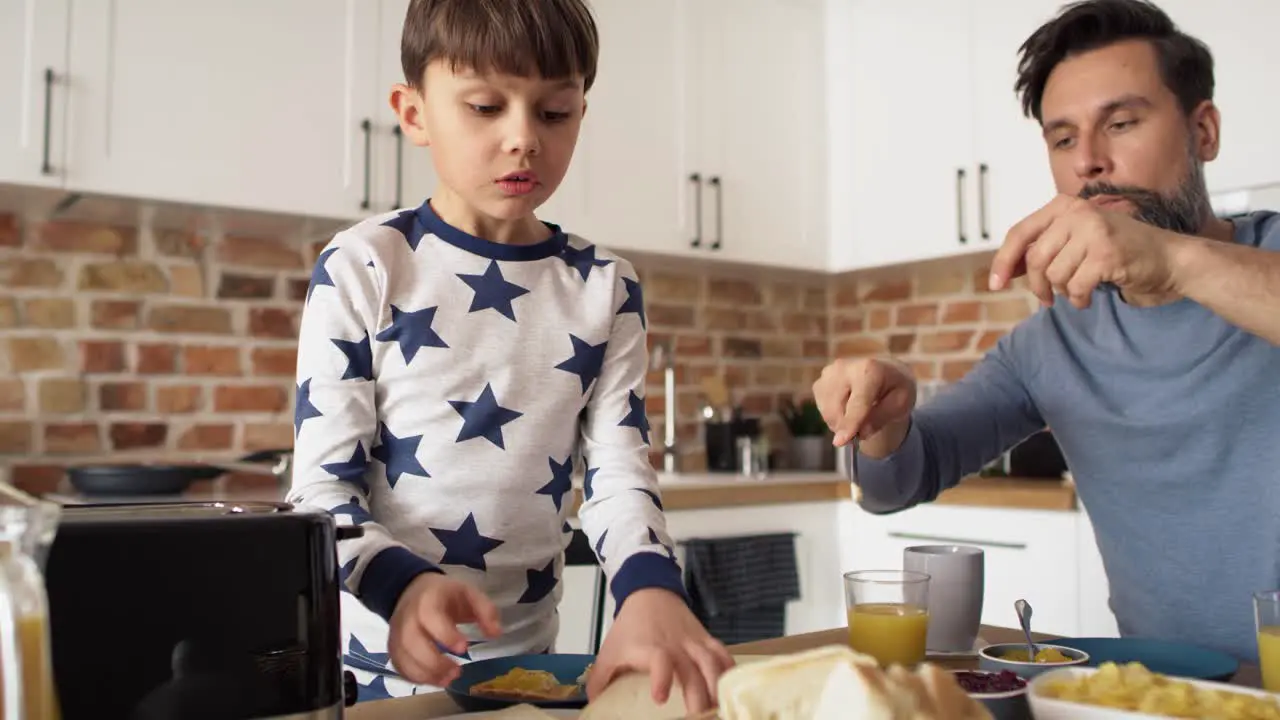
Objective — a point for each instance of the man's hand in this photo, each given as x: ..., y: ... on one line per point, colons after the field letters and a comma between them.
x: 861, y: 398
x: 428, y: 612
x: 1070, y: 246
x: 656, y: 633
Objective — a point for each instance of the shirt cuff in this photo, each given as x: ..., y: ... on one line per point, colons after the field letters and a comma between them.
x: 387, y: 575
x: 880, y: 479
x: 646, y: 570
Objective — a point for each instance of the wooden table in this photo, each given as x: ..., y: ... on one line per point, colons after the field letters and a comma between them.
x: 438, y: 704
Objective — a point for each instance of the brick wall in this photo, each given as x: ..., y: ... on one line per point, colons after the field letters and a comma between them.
x: 126, y: 341
x: 768, y: 340
x: 123, y: 342
x: 938, y: 316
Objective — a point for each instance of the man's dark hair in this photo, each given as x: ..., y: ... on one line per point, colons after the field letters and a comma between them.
x: 1186, y: 65
x: 553, y: 39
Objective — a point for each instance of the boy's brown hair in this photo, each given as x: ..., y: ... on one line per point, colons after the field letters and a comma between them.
x: 553, y: 39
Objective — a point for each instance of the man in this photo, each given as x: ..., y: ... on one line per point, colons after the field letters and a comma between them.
x: 1155, y: 360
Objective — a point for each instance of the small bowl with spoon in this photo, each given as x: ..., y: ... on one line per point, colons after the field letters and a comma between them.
x: 1030, y: 658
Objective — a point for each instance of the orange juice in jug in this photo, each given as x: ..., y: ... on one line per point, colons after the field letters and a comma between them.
x: 39, y: 702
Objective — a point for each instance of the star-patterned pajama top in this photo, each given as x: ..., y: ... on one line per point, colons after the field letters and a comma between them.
x: 448, y: 388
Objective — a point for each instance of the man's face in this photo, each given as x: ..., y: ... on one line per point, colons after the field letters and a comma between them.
x: 1117, y: 136
x: 502, y: 143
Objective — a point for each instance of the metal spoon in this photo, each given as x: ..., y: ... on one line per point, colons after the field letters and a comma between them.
x: 1024, y: 619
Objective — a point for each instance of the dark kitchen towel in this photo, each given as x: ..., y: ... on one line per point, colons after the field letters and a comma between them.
x: 739, y: 586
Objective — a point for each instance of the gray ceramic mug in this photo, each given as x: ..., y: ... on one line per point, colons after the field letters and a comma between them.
x: 955, y: 593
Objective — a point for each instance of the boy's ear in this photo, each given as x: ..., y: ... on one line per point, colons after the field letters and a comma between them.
x: 408, y: 106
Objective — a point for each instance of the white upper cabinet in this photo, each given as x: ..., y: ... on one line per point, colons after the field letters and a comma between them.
x: 1241, y: 36
x: 403, y: 173
x: 902, y: 178
x: 33, y: 68
x: 238, y: 104
x: 760, y: 131
x: 627, y: 187
x: 1013, y: 178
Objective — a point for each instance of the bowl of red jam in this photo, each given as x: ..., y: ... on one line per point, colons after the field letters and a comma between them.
x: 1003, y: 692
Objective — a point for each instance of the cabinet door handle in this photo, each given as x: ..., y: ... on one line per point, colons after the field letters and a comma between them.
x: 982, y: 201
x: 715, y: 184
x: 399, y: 164
x: 367, y: 127
x: 960, y: 205
x: 939, y: 540
x: 696, y: 179
x: 46, y: 168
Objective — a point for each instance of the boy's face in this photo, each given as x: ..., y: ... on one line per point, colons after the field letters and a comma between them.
x: 501, y: 143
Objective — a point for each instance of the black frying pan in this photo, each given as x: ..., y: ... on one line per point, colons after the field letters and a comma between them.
x: 145, y: 479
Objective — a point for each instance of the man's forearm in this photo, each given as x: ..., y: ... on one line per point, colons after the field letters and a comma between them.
x: 1239, y: 283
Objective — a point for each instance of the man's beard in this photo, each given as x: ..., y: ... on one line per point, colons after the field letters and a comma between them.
x: 1182, y: 212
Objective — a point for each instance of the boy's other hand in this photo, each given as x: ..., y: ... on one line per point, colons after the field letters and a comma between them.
x: 428, y: 612
x: 656, y: 633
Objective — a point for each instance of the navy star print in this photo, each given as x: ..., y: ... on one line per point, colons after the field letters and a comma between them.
x: 357, y: 649
x: 582, y: 260
x: 351, y: 471
x: 636, y: 416
x: 353, y: 509
x: 406, y: 223
x: 561, y: 481
x: 465, y: 546
x: 652, y: 496
x: 586, y: 362
x: 303, y: 410
x: 586, y: 482
x: 493, y: 291
x: 483, y: 418
x: 653, y: 538
x: 600, y: 546
x: 412, y: 330
x: 319, y: 275
x: 541, y: 583
x: 344, y: 574
x: 634, y: 302
x: 398, y: 454
x: 359, y: 358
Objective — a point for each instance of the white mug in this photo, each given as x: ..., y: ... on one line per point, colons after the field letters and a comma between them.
x: 956, y: 581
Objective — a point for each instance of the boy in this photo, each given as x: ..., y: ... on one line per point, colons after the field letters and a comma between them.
x: 459, y: 360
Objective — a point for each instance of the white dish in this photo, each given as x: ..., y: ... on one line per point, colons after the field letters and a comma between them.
x: 1044, y: 708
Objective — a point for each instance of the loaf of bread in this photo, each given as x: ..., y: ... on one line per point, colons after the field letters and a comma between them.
x: 522, y: 712
x: 834, y: 682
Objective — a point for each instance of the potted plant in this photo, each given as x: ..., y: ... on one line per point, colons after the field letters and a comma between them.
x: 810, y: 439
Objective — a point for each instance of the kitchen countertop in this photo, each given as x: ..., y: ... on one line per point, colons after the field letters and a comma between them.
x: 438, y: 704
x: 703, y: 491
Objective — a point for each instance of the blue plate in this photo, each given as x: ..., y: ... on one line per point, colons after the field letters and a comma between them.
x: 1158, y: 656
x: 566, y: 668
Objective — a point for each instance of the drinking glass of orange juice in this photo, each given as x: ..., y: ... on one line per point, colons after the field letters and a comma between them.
x: 888, y: 614
x: 1266, y: 612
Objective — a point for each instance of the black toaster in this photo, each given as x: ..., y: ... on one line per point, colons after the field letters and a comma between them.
x: 196, y: 610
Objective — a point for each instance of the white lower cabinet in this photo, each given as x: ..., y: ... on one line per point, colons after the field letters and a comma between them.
x: 1047, y: 557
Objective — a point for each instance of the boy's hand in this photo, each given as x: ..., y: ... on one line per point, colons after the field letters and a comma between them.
x: 655, y: 633
x: 428, y: 612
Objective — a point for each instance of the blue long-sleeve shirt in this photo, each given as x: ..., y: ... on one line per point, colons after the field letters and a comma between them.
x: 1169, y: 418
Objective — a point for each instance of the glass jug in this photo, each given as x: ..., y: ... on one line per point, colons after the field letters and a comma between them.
x: 26, y: 669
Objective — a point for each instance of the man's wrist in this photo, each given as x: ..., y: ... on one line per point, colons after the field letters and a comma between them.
x: 1185, y: 255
